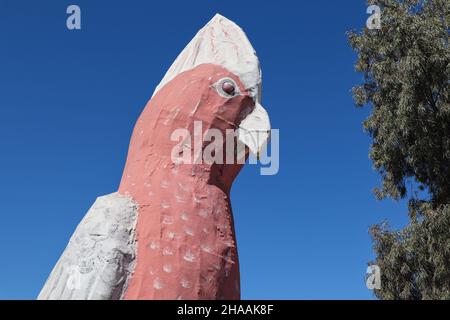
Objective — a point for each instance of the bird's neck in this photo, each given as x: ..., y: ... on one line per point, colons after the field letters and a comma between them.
x: 185, y: 226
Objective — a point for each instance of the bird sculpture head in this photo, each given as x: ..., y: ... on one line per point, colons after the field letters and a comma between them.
x: 214, y: 84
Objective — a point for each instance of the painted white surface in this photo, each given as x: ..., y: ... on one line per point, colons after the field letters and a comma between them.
x: 254, y: 130
x: 220, y: 42
x: 100, y: 255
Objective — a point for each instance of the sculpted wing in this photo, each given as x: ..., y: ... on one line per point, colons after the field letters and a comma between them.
x: 100, y: 256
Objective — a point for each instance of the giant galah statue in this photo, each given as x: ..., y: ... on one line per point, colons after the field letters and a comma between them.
x: 168, y: 232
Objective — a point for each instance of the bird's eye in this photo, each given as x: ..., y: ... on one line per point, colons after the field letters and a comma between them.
x: 227, y: 88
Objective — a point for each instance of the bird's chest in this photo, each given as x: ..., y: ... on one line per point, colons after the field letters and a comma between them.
x: 186, y: 242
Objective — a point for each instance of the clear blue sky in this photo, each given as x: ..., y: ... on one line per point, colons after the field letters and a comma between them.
x: 69, y: 101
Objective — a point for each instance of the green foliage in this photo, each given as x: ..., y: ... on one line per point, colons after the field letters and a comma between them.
x: 406, y: 68
x: 415, y: 262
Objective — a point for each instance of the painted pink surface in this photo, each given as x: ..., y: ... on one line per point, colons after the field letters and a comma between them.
x: 185, y: 231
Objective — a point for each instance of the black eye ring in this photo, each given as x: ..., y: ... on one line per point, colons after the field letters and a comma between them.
x: 227, y: 88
